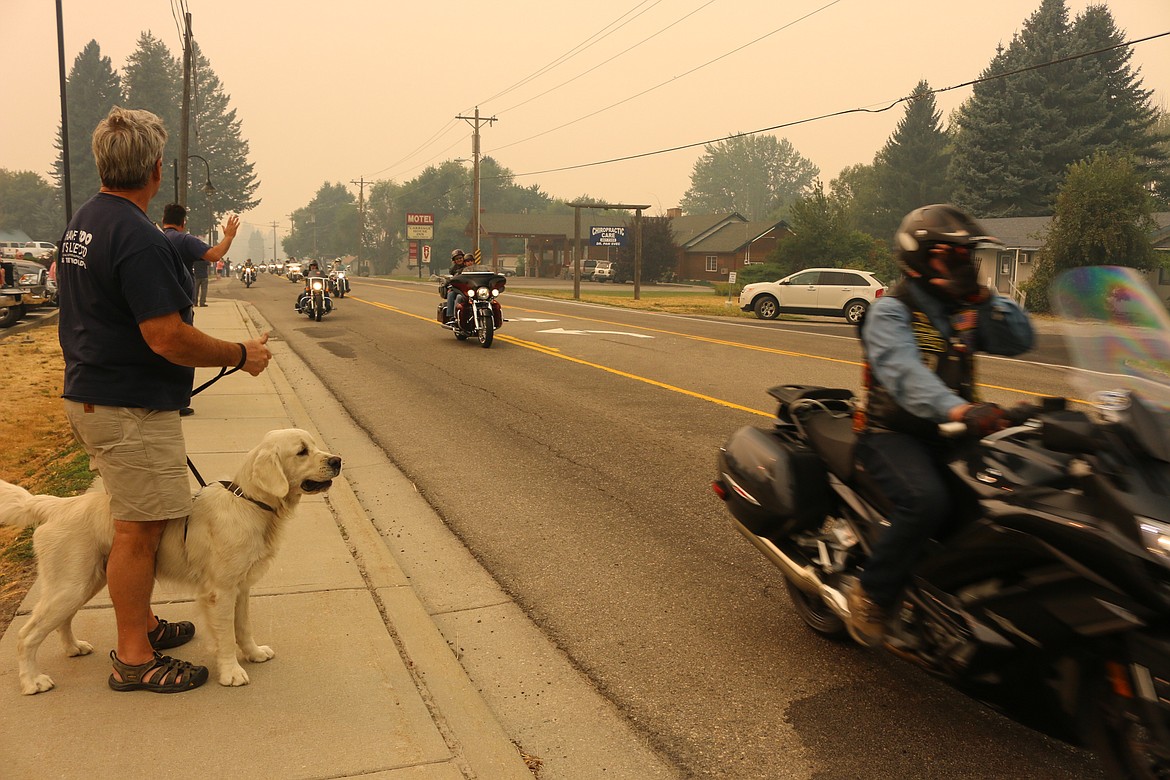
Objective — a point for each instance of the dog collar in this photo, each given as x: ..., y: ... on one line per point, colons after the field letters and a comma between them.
x: 236, y: 490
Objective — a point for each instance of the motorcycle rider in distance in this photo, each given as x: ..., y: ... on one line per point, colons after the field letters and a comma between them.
x: 459, y: 263
x: 919, y: 344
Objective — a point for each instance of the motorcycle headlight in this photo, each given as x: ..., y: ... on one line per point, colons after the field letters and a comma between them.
x: 483, y: 293
x: 1155, y: 536
x: 495, y: 293
x: 317, y: 286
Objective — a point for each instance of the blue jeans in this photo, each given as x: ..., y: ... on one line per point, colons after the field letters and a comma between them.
x: 914, y: 475
x: 452, y: 294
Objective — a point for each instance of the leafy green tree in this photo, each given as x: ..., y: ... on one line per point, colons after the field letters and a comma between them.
x: 153, y: 80
x: 385, y: 227
x: 29, y: 203
x: 824, y: 238
x: 755, y: 175
x: 92, y: 88
x: 911, y: 169
x: 327, y: 227
x: 216, y: 134
x: 659, y: 251
x: 1102, y: 217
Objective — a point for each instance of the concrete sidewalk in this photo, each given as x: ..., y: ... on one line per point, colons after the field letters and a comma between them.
x: 363, y: 682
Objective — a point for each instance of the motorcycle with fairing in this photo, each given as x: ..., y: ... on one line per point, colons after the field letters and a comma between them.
x: 315, y: 301
x: 248, y: 275
x: 477, y: 308
x: 1052, y: 602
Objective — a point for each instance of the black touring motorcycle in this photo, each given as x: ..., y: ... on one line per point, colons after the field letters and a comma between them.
x: 1054, y: 603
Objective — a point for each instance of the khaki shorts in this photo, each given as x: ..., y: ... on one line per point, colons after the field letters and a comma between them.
x: 140, y: 455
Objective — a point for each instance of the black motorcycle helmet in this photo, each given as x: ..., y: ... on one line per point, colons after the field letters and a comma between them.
x: 926, y: 227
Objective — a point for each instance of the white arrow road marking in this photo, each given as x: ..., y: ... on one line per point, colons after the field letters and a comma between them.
x: 527, y: 319
x: 587, y: 332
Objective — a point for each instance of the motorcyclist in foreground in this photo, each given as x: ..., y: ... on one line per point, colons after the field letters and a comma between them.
x: 919, y: 342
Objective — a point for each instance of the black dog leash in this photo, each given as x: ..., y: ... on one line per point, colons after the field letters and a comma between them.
x: 224, y: 371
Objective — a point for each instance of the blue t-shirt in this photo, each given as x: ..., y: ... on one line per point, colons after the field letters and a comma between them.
x: 115, y: 270
x: 191, y: 249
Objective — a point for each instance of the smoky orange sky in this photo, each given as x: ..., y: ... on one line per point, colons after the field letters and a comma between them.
x: 353, y: 89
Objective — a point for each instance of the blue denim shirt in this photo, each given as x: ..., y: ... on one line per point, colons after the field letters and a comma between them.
x: 1004, y: 329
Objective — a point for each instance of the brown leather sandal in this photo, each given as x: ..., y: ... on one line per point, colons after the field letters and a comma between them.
x: 168, y: 635
x: 166, y: 675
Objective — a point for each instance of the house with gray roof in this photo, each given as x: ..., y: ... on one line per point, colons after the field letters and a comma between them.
x: 710, y: 245
x: 1008, y: 267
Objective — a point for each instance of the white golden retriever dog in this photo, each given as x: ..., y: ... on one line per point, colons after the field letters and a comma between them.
x: 224, y: 547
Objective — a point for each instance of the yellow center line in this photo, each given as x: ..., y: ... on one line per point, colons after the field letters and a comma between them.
x: 721, y: 342
x: 553, y: 352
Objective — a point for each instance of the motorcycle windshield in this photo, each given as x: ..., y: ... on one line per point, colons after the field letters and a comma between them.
x: 1117, y: 332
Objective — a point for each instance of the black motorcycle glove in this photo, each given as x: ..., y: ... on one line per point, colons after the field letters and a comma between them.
x: 983, y: 419
x: 1021, y: 413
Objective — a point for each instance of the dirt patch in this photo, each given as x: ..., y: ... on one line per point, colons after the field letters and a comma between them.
x: 38, y: 451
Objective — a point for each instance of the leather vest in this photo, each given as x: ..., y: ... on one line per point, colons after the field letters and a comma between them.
x: 952, y: 359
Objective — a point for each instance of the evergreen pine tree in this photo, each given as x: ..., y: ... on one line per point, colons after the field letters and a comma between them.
x: 1017, y: 135
x: 216, y: 136
x: 92, y: 88
x: 911, y: 169
x: 153, y: 80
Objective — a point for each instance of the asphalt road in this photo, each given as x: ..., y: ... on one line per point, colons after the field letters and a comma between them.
x: 574, y: 459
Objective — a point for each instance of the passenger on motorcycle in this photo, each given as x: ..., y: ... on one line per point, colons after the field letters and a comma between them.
x: 919, y: 343
x: 459, y: 263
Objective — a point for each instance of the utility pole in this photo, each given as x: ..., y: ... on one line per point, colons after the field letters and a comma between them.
x: 361, y: 182
x: 65, y: 174
x: 185, y: 131
x: 476, y: 121
x: 274, y: 241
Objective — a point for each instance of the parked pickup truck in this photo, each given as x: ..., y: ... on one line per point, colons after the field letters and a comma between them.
x: 24, y: 285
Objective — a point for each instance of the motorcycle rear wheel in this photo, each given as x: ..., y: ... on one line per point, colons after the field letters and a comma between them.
x: 815, y: 613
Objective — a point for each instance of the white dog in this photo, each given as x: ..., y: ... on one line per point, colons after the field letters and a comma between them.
x: 220, y: 552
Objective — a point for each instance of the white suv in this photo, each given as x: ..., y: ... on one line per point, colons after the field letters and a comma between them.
x: 828, y: 292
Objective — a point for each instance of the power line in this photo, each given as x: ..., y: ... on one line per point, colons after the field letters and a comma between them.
x: 580, y: 47
x: 673, y: 78
x: 973, y: 82
x: 614, y: 57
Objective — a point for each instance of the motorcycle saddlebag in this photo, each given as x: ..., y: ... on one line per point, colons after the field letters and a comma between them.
x: 776, y: 486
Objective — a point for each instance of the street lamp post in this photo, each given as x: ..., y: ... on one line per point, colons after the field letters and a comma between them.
x: 208, y: 190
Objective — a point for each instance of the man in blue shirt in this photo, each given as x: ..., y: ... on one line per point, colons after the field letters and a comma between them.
x: 198, y: 256
x: 920, y: 341
x: 130, y: 356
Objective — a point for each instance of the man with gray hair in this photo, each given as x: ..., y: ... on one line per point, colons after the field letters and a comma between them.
x: 130, y: 356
